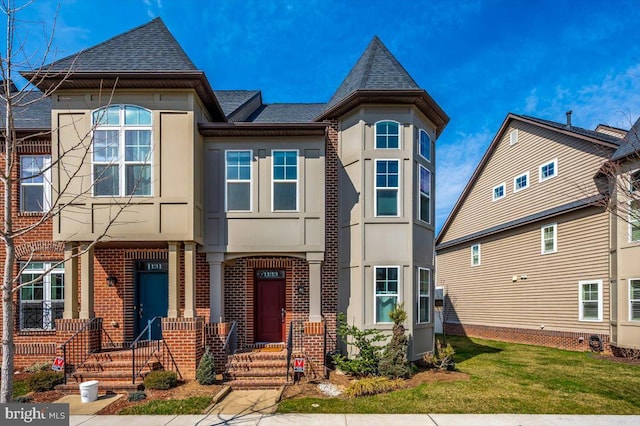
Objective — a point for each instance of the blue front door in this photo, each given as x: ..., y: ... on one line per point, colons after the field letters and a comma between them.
x: 152, y: 300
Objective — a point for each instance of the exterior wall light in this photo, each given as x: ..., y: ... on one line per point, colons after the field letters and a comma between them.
x: 112, y: 280
x: 301, y: 290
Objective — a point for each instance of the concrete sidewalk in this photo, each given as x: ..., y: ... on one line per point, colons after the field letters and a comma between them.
x: 360, y: 420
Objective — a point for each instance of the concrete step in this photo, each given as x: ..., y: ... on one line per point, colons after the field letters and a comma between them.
x: 102, y: 376
x: 259, y: 356
x: 258, y: 373
x: 269, y: 363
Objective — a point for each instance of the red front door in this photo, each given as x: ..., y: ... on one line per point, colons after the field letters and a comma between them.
x: 270, y: 305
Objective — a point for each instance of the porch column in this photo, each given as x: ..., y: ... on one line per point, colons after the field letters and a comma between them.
x: 70, y: 281
x: 86, y: 271
x: 216, y: 287
x: 315, y: 286
x: 174, y: 279
x: 189, y: 279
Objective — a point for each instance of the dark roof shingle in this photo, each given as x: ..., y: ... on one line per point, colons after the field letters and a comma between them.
x: 286, y: 113
x: 630, y: 144
x: 579, y: 130
x: 32, y: 111
x: 231, y: 100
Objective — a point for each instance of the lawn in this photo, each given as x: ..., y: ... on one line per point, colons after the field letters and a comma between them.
x: 505, y: 378
x: 193, y: 405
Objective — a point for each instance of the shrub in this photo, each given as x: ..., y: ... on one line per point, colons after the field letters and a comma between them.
x: 365, y: 362
x: 373, y: 385
x: 45, y: 381
x: 38, y: 366
x: 161, y: 380
x: 394, y: 362
x: 136, y: 396
x: 441, y: 358
x: 206, y: 372
x: 23, y: 399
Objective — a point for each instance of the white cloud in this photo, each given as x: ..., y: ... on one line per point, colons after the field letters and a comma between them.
x: 531, y: 103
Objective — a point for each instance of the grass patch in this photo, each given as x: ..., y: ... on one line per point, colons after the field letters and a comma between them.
x: 20, y: 387
x: 505, y: 378
x: 194, y: 405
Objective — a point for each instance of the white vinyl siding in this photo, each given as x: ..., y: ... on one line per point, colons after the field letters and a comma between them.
x: 590, y: 293
x: 549, y: 239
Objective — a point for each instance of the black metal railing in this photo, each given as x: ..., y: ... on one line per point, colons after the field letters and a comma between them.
x: 295, y: 341
x: 230, y: 346
x: 149, y: 346
x: 330, y: 347
x: 82, y: 344
x: 38, y: 314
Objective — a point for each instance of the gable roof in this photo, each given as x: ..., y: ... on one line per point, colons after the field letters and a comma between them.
x: 286, y: 113
x: 147, y: 56
x: 630, y: 143
x: 377, y: 69
x: 378, y: 77
x: 577, y: 132
x: 32, y: 112
x: 232, y: 100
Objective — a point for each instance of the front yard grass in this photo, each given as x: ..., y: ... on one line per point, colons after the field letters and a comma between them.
x: 505, y: 378
x: 193, y: 405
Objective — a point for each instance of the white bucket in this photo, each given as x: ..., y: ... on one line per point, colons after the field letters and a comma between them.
x: 89, y: 391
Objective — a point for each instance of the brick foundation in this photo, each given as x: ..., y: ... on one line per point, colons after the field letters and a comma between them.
x: 184, y: 337
x: 215, y: 336
x: 568, y: 340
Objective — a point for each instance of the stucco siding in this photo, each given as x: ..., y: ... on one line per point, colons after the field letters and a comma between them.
x: 577, y: 162
x: 546, y: 287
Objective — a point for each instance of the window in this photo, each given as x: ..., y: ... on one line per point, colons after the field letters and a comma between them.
x: 387, y: 181
x: 634, y: 299
x: 424, y: 284
x: 549, y: 170
x: 499, y: 191
x: 42, y: 301
x: 425, y: 145
x: 35, y: 183
x: 590, y: 300
x: 387, y: 135
x: 521, y: 182
x: 513, y: 137
x: 635, y: 182
x: 425, y: 195
x: 549, y: 239
x: 238, y: 166
x: 122, y: 151
x: 386, y: 278
x: 285, y: 181
x: 634, y: 220
x: 475, y: 255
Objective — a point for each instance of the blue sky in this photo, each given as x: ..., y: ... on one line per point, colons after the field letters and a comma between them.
x: 478, y: 59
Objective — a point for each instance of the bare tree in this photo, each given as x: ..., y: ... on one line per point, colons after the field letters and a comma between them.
x: 15, y: 103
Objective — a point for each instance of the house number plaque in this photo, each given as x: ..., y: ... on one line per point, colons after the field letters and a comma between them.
x: 263, y: 274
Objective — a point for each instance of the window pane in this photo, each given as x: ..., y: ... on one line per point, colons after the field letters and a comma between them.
x: 423, y: 309
x: 105, y: 145
x: 238, y: 196
x: 384, y: 306
x: 278, y: 158
x: 137, y: 145
x: 425, y: 181
x: 635, y: 310
x: 138, y: 179
x: 32, y: 198
x: 387, y: 202
x: 284, y: 196
x: 31, y: 167
x: 590, y: 310
x: 387, y: 135
x: 106, y: 181
x: 136, y: 116
x: 107, y: 116
x: 424, y: 208
x: 425, y: 145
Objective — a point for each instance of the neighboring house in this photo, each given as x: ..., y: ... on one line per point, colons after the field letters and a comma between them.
x: 234, y: 221
x: 524, y: 254
x: 624, y: 170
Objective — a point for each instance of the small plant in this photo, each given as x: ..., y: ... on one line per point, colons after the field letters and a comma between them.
x: 43, y: 381
x: 373, y: 385
x: 38, y: 366
x: 23, y: 399
x: 136, y: 396
x: 365, y: 362
x: 161, y: 380
x: 442, y: 358
x: 394, y: 363
x: 206, y: 372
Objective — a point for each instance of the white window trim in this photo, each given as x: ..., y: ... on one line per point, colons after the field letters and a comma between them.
x: 630, y: 299
x: 375, y: 134
x: 375, y: 188
x: 630, y: 224
x: 375, y: 295
x: 513, y: 137
x: 227, y: 181
x: 429, y: 145
x: 479, y: 256
x: 555, y: 238
x: 515, y: 179
x: 46, y: 184
x: 46, y: 272
x: 418, y: 295
x: 121, y: 162
x: 504, y: 191
x: 580, y: 301
x: 420, y: 168
x: 297, y: 180
x: 555, y: 170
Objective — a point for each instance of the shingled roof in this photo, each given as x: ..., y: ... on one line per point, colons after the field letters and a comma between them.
x: 149, y: 47
x: 579, y: 130
x: 286, y: 113
x: 376, y: 69
x: 630, y: 144
x: 31, y: 112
